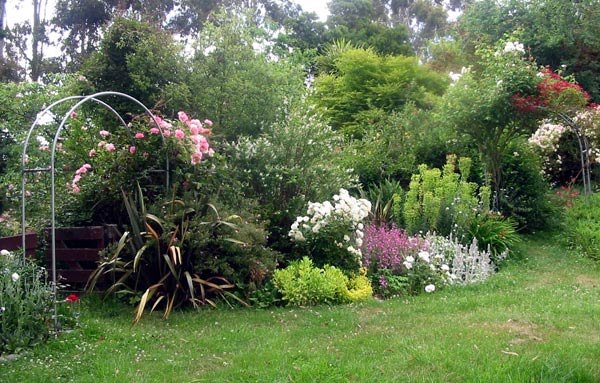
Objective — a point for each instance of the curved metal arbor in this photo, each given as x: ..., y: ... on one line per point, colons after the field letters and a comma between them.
x: 24, y: 170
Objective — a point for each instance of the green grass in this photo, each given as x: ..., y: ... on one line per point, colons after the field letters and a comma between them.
x: 538, y: 320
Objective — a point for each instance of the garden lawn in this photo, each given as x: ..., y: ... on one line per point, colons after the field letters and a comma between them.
x: 538, y: 320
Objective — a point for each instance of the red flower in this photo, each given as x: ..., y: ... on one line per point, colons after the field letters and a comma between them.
x: 72, y: 298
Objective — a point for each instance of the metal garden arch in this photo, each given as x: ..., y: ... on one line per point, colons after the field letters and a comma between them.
x: 25, y: 170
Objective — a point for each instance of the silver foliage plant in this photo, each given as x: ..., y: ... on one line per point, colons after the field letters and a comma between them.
x: 468, y: 263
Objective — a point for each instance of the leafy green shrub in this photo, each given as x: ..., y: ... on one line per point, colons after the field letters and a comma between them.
x: 495, y: 234
x: 26, y: 304
x: 302, y: 283
x: 525, y: 191
x: 582, y: 227
x: 294, y: 161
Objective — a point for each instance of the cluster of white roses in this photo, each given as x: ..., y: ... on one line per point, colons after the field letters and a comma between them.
x: 514, y: 47
x: 346, y: 210
x: 547, y: 135
x: 10, y: 256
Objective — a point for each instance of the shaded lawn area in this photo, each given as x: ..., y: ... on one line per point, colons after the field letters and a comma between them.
x: 538, y: 320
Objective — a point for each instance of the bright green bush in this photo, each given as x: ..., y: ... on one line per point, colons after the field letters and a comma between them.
x: 301, y: 283
x: 443, y: 201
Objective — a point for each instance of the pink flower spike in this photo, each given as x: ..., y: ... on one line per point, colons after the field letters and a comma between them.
x: 139, y: 135
x: 154, y: 130
x: 109, y: 147
x: 179, y: 134
x: 92, y: 153
x: 208, y: 122
x: 132, y: 149
x: 104, y: 133
x: 183, y: 117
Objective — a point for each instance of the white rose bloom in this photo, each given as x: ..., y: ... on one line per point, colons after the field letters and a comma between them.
x: 429, y: 288
x: 15, y: 277
x: 424, y: 256
x: 5, y: 253
x: 410, y: 259
x: 408, y: 265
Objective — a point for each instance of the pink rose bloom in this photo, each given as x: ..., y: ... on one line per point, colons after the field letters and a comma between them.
x: 158, y: 120
x: 27, y: 193
x: 205, y: 131
x: 183, y: 117
x: 179, y: 134
x: 203, y: 144
x: 92, y: 153
x: 139, y: 135
x: 196, y: 158
x: 195, y: 139
x: 76, y: 179
x: 154, y: 130
x: 104, y: 133
x: 194, y: 130
x: 87, y: 166
x: 101, y: 144
x: 132, y: 149
x: 76, y: 189
x: 208, y: 122
x: 109, y: 147
x: 167, y: 133
x: 73, y: 115
x: 43, y: 148
x: 11, y: 186
x: 211, y: 152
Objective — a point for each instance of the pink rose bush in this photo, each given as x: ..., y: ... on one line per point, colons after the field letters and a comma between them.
x: 185, y: 138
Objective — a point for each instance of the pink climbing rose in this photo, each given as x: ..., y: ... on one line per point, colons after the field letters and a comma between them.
x: 139, y: 135
x: 183, y: 117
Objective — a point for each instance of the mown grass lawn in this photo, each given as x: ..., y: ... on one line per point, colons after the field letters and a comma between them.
x: 538, y: 320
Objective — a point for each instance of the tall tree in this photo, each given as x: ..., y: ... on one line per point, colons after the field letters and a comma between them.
x: 80, y: 22
x: 242, y: 89
x: 2, y: 27
x: 366, y: 23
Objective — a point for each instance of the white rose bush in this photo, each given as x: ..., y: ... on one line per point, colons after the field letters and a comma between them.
x: 332, y: 232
